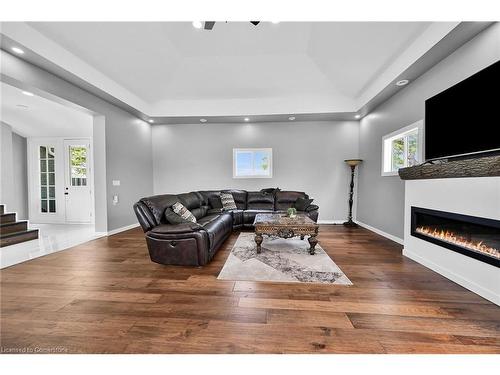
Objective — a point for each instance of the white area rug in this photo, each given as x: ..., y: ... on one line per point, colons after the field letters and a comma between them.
x: 280, y: 261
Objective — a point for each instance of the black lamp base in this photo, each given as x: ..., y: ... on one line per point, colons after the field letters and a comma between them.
x: 350, y: 224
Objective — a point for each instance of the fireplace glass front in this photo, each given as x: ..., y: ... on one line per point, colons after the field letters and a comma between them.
x: 473, y: 236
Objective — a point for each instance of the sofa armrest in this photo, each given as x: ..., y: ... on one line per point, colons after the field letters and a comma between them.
x: 312, y: 207
x: 166, y: 229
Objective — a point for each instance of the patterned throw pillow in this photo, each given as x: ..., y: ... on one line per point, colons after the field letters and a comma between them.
x: 227, y: 201
x: 183, y: 212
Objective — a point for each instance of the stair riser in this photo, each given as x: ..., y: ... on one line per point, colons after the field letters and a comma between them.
x: 13, y: 228
x: 2, y: 209
x: 7, y: 218
x: 28, y: 236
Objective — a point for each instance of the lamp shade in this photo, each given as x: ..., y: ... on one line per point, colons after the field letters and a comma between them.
x: 353, y: 162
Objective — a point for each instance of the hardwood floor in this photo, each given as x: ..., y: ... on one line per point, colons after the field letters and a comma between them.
x: 106, y: 296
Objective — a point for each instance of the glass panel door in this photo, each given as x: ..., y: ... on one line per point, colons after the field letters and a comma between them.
x: 47, y: 179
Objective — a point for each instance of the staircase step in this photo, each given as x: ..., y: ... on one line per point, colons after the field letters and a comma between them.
x: 7, y: 218
x: 17, y: 237
x: 17, y: 226
x: 2, y: 209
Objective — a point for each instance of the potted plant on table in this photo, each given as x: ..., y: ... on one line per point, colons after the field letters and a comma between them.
x: 292, y: 212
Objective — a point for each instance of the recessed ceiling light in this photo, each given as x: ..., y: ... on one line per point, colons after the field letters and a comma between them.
x: 197, y: 24
x: 203, y: 120
x: 357, y: 116
x: 247, y: 119
x: 27, y: 93
x: 151, y: 120
x: 275, y: 22
x: 291, y: 118
x: 17, y: 50
x: 402, y: 82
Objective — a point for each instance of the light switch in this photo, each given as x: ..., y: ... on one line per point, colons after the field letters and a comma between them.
x: 115, y: 200
x: 116, y: 182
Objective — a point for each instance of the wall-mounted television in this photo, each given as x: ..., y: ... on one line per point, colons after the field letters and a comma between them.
x: 463, y: 120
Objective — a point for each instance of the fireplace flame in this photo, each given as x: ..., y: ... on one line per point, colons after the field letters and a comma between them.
x: 455, y: 239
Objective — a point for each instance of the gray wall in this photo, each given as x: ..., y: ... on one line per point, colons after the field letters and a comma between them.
x: 14, y: 181
x: 127, y: 140
x: 20, y: 175
x: 381, y: 199
x: 307, y: 156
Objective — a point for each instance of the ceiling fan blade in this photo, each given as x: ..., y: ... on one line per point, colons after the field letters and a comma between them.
x: 255, y: 23
x: 209, y: 25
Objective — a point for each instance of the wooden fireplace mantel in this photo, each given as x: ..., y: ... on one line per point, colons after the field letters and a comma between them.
x: 487, y: 166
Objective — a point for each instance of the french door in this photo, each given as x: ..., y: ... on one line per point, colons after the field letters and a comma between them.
x: 59, y: 178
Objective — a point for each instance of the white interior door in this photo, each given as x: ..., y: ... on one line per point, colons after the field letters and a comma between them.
x: 46, y: 180
x: 77, y: 181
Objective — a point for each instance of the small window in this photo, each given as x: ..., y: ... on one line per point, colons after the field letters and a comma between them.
x: 402, y: 148
x: 78, y: 165
x: 252, y: 162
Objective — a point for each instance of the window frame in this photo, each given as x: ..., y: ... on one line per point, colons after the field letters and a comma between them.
x: 253, y: 150
x: 387, y: 146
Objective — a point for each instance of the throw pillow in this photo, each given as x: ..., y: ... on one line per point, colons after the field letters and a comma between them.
x: 215, y: 202
x: 183, y: 212
x: 173, y: 218
x: 228, y: 202
x: 301, y: 204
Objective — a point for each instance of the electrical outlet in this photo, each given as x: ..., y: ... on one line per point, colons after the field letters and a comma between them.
x: 116, y: 182
x: 115, y: 200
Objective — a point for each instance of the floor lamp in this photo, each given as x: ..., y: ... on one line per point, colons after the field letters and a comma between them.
x: 351, y: 163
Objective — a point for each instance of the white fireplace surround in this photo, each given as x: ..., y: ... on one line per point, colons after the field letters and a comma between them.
x: 478, y: 196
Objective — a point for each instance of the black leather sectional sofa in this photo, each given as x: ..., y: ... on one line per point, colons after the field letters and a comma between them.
x: 195, y: 244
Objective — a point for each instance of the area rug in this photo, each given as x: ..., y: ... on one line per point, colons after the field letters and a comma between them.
x: 280, y: 261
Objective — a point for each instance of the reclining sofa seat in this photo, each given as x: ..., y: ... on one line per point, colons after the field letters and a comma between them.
x: 195, y: 244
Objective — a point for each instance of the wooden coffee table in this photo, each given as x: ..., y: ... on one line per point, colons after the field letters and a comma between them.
x: 283, y: 226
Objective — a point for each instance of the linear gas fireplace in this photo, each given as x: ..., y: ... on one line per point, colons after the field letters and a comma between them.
x: 473, y: 236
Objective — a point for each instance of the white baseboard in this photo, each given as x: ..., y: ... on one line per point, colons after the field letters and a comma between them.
x: 122, y: 229
x: 472, y: 286
x: 382, y: 233
x: 330, y: 221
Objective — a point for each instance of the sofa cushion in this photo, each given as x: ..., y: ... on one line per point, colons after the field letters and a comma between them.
x: 182, y: 211
x: 260, y: 201
x: 237, y: 218
x: 199, y: 212
x: 173, y: 218
x: 157, y: 205
x: 302, y: 203
x: 207, y: 219
x: 240, y: 197
x: 218, y: 229
x: 215, y: 202
x: 190, y: 200
x: 285, y: 199
x: 228, y: 202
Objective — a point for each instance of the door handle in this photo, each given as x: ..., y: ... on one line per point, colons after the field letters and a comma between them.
x: 66, y: 193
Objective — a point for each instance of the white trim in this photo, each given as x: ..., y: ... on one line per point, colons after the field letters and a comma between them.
x: 386, y: 149
x: 122, y: 229
x: 381, y: 232
x: 330, y: 221
x: 466, y: 283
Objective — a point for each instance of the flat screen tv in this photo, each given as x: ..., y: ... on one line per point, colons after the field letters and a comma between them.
x: 463, y: 119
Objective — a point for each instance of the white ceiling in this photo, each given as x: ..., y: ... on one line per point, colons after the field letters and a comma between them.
x: 237, y: 68
x: 42, y: 117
